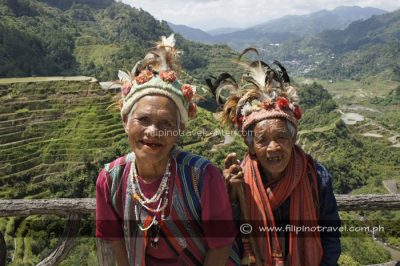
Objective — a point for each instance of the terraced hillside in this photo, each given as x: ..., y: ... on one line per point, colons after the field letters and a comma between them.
x: 55, y: 135
x: 51, y: 133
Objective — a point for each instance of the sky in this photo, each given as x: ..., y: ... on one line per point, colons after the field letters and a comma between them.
x: 212, y: 14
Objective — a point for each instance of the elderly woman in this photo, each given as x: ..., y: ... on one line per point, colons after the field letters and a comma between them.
x: 278, y: 185
x: 156, y: 204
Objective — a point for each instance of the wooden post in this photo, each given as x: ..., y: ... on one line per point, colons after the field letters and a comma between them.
x: 105, y: 254
x: 65, y: 244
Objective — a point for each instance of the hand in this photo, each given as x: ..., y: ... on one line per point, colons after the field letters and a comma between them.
x: 233, y: 175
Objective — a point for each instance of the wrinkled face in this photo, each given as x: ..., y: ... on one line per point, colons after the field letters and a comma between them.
x: 273, y: 143
x: 153, y: 128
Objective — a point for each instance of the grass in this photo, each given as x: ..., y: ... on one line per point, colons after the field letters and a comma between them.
x: 95, y: 53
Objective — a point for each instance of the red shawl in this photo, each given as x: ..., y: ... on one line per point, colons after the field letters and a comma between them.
x: 304, y: 248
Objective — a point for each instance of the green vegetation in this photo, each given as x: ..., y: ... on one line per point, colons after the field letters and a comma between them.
x: 366, y: 47
x: 92, y: 38
x: 56, y: 135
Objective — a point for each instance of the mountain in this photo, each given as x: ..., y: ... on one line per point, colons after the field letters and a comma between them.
x: 280, y: 30
x: 219, y: 31
x: 89, y: 37
x: 336, y: 19
x: 191, y: 33
x: 364, y: 48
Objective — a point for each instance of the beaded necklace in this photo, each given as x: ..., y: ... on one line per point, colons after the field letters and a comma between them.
x: 161, y: 196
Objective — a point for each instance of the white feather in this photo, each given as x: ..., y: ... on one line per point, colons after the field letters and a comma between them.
x: 123, y: 76
x: 247, y: 109
x: 135, y: 67
x: 169, y: 42
x: 255, y: 74
x: 292, y: 94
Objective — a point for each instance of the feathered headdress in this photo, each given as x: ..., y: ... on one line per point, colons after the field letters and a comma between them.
x: 157, y: 73
x: 263, y: 93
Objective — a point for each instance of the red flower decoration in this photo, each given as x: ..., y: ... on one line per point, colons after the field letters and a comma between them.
x: 192, y: 110
x: 126, y: 88
x: 240, y: 121
x: 168, y: 76
x: 187, y: 92
x: 268, y: 104
x: 297, y: 112
x: 234, y: 120
x: 283, y: 103
x: 144, y: 76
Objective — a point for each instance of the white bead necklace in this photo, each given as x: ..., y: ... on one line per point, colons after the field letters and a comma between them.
x: 143, y: 200
x: 163, y: 185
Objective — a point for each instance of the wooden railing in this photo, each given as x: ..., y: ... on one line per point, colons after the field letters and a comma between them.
x: 75, y: 208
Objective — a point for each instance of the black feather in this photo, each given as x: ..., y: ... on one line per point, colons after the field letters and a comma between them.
x: 217, y: 81
x: 285, y: 75
x: 210, y: 84
x: 245, y: 51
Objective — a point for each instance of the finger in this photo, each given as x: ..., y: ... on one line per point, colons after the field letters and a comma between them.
x: 234, y: 169
x: 230, y: 159
x: 237, y: 177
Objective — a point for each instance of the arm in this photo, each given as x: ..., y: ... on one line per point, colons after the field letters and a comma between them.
x: 217, y: 256
x: 329, y: 217
x: 233, y: 174
x: 218, y: 225
x: 108, y: 222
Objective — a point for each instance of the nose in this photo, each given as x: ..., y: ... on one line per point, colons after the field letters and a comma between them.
x: 273, y: 146
x: 151, y: 131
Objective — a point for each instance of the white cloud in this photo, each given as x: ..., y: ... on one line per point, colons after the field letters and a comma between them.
x: 209, y: 14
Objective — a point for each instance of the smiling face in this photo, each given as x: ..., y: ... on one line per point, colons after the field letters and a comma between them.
x: 273, y: 143
x: 153, y: 128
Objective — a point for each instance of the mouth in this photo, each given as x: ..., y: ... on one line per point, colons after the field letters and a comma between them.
x: 276, y: 158
x: 151, y: 144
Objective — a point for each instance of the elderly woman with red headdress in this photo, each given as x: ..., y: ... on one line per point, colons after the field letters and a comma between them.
x: 157, y: 205
x: 278, y: 185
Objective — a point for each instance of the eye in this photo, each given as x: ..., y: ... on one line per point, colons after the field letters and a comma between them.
x: 143, y: 119
x: 260, y: 140
x: 283, y: 138
x: 166, y: 124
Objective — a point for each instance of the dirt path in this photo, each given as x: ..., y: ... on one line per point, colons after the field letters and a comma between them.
x: 391, y: 186
x: 394, y: 253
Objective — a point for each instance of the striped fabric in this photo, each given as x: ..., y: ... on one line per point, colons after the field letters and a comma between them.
x: 305, y: 247
x: 183, y: 227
